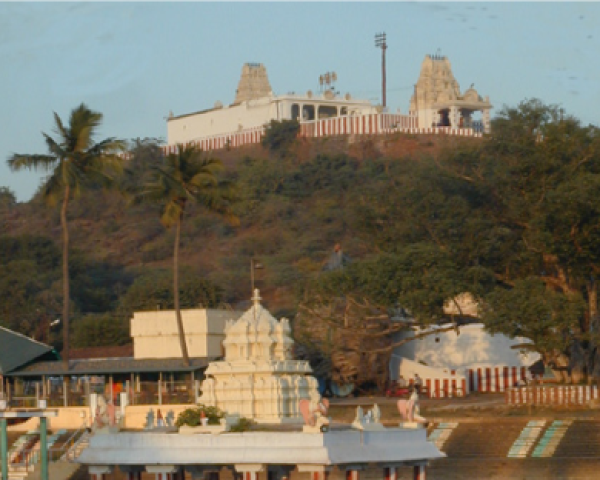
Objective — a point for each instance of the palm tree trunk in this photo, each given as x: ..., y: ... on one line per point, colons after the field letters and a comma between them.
x: 184, y: 350
x: 65, y: 265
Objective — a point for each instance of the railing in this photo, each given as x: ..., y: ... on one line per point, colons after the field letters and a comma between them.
x: 367, y: 124
x: 164, y: 393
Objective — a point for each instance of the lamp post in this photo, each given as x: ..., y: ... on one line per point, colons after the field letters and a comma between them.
x: 4, y: 439
x: 42, y: 404
x: 380, y: 42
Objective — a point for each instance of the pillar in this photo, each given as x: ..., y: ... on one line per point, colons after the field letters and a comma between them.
x: 4, y: 447
x: 317, y: 472
x: 352, y: 475
x: 454, y: 117
x: 487, y: 126
x: 163, y: 472
x: 390, y: 473
x: 419, y: 472
x: 249, y: 471
x: 44, y: 448
x: 99, y: 472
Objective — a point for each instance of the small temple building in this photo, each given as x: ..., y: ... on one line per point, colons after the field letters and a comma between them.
x: 437, y: 100
x: 259, y: 379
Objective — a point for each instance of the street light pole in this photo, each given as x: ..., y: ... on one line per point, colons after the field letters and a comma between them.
x: 380, y: 42
x: 4, y: 441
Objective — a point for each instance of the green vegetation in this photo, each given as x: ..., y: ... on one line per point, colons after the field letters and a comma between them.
x: 186, y: 176
x: 76, y: 163
x: 242, y: 425
x: 192, y: 417
x: 512, y: 218
x: 281, y: 135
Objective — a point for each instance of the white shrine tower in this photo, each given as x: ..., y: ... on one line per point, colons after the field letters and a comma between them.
x: 258, y: 378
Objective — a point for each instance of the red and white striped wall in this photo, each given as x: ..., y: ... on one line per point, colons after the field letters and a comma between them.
x: 446, y: 387
x: 552, y: 395
x: 368, y: 124
x: 495, y: 379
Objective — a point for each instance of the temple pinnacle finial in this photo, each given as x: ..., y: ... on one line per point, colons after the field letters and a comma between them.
x: 256, y: 298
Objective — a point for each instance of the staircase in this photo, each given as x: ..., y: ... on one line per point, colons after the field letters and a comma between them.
x: 580, y: 440
x: 79, y: 446
x: 483, y: 439
x: 519, y: 448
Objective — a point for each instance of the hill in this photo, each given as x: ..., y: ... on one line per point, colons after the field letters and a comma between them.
x: 295, y: 208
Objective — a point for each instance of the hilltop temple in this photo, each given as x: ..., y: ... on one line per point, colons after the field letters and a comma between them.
x: 437, y: 100
x: 255, y: 105
x: 437, y: 103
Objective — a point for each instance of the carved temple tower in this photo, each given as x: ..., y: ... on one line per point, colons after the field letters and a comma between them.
x: 258, y: 378
x: 253, y: 84
x: 438, y: 102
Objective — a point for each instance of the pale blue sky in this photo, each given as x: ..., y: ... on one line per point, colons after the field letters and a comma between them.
x: 135, y: 62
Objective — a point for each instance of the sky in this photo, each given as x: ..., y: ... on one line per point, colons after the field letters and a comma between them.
x: 136, y: 62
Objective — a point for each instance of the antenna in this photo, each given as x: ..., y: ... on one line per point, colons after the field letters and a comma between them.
x: 380, y: 42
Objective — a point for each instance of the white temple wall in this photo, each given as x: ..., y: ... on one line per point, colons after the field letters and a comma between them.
x: 254, y: 113
x: 230, y: 119
x: 472, y: 348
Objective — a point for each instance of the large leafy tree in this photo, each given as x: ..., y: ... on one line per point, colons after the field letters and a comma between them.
x: 75, y: 162
x: 349, y: 319
x: 187, y: 176
x: 518, y: 212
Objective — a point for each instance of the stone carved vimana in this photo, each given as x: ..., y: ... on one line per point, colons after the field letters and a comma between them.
x: 259, y: 379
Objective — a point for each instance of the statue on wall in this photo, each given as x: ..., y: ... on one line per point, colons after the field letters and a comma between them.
x: 409, y: 409
x: 314, y: 412
x: 105, y: 416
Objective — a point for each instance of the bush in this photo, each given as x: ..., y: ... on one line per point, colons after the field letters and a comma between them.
x: 243, y: 425
x: 192, y: 416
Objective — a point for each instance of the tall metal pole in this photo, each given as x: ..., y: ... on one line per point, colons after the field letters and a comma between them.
x: 4, y: 442
x: 380, y: 42
x: 44, y: 447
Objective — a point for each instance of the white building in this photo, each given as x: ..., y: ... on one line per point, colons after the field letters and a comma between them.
x: 437, y: 106
x: 256, y: 105
x: 155, y: 334
x: 437, y: 101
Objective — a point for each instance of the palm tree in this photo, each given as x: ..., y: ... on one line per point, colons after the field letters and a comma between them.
x: 187, y: 176
x: 75, y: 162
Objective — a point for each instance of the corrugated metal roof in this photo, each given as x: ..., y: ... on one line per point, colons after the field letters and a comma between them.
x: 101, y: 366
x: 17, y: 350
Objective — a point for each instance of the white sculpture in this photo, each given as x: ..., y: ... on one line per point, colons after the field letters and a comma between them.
x: 370, y: 421
x: 410, y: 409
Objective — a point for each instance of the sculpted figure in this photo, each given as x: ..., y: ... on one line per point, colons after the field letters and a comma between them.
x: 409, y: 409
x: 314, y: 411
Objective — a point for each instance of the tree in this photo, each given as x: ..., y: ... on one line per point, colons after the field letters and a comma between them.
x: 348, y: 320
x: 187, y: 176
x: 7, y: 198
x: 534, y: 191
x: 280, y: 135
x: 154, y: 289
x: 75, y: 162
